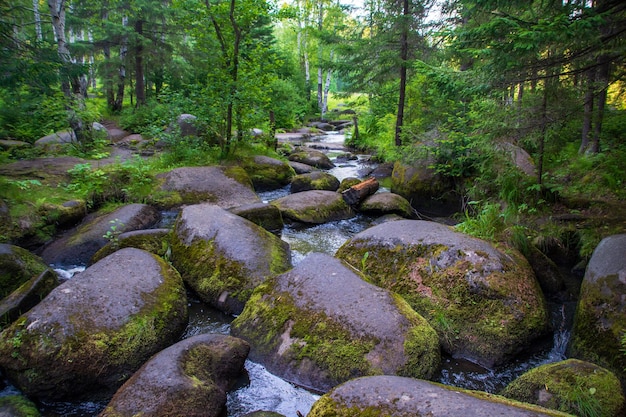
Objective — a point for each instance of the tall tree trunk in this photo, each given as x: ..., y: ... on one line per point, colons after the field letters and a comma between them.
x: 404, y: 57
x: 603, y: 84
x: 37, y: 16
x: 121, y: 71
x: 327, y: 88
x: 320, y: 78
x: 140, y: 86
x: 588, y: 110
x: 234, y: 75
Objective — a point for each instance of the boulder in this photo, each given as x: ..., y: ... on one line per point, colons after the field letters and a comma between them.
x: 187, y: 125
x: 9, y: 144
x: 347, y: 183
x: 547, y: 272
x: 17, y: 266
x: 27, y: 296
x: 223, y: 257
x: 79, y: 244
x: 268, y: 173
x: 485, y: 303
x: 312, y: 157
x: 315, y: 206
x: 226, y: 187
x: 380, y: 396
x: 93, y: 331
x: 386, y: 203
x: 263, y: 214
x: 600, y: 320
x: 17, y: 406
x: 518, y: 157
x: 57, y: 138
x: 190, y: 378
x: 300, y: 168
x: 573, y: 386
x: 320, y: 324
x: 155, y: 241
x: 317, y: 180
x: 426, y: 190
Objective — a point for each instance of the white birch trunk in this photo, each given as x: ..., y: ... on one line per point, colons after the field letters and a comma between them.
x: 37, y: 20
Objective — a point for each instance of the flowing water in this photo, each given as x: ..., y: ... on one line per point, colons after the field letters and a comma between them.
x: 260, y: 390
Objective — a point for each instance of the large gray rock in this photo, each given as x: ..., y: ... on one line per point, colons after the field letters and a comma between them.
x: 17, y: 266
x: 315, y: 206
x: 556, y: 385
x: 62, y: 137
x: 381, y: 396
x: 485, y: 303
x: 312, y: 157
x: 94, y: 331
x: 600, y: 321
x: 317, y: 180
x: 223, y: 257
x: 426, y: 189
x: 381, y: 204
x: 268, y: 173
x: 265, y: 215
x: 226, y: 187
x: 320, y: 324
x: 190, y: 378
x: 78, y: 245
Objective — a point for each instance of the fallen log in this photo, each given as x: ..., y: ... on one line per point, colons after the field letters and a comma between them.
x: 356, y: 194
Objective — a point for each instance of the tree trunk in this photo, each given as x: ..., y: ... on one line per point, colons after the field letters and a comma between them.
x: 140, y: 86
x: 234, y: 74
x: 320, y: 79
x: 37, y: 16
x: 404, y: 56
x: 121, y: 71
x: 327, y: 88
x: 354, y: 195
x: 588, y: 110
x: 603, y: 84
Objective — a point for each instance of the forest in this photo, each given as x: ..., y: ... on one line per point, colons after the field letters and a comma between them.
x: 453, y: 82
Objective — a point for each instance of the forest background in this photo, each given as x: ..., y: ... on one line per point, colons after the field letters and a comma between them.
x: 448, y: 82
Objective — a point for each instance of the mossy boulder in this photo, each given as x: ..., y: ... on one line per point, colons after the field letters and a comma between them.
x: 78, y: 245
x: 155, y: 241
x: 224, y: 186
x: 265, y: 215
x: 320, y: 324
x: 28, y: 295
x: 190, y: 378
x: 385, y: 396
x: 315, y: 206
x: 485, y: 303
x: 268, y: 173
x: 572, y: 386
x: 317, y: 180
x: 223, y: 257
x: 381, y: 204
x: 600, y: 320
x: 94, y: 331
x: 426, y: 190
x: 17, y: 406
x: 17, y: 266
x: 347, y: 183
x: 312, y: 157
x: 300, y: 168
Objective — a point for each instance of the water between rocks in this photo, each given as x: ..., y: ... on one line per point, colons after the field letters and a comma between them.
x: 260, y: 390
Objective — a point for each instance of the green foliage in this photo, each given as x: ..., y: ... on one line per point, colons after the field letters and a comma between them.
x: 112, y: 235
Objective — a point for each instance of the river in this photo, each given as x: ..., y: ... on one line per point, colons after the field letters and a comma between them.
x: 260, y: 390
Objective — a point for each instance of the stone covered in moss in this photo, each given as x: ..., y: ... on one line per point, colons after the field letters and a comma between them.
x: 27, y: 296
x: 385, y: 396
x: 600, y: 321
x: 320, y: 324
x: 190, y: 378
x: 318, y: 180
x: 312, y: 157
x: 93, y: 331
x: 81, y: 243
x: 268, y: 173
x: 223, y: 257
x: 386, y: 203
x: 155, y: 241
x: 17, y: 406
x: 572, y: 386
x: 223, y: 186
x: 265, y: 215
x: 17, y: 266
x: 427, y: 190
x: 485, y: 304
x: 315, y: 206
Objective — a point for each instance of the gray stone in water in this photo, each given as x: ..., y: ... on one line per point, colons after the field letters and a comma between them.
x: 407, y: 397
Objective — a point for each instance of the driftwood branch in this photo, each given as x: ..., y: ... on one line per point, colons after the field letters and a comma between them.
x: 357, y: 193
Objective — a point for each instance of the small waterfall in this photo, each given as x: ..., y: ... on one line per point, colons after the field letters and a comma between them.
x: 562, y: 321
